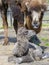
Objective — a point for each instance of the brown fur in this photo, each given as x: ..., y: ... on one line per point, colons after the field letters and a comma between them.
x: 33, y: 4
x: 15, y: 11
x: 28, y: 25
x: 19, y: 5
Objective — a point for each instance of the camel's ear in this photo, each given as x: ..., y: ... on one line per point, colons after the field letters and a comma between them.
x: 22, y: 6
x: 43, y: 7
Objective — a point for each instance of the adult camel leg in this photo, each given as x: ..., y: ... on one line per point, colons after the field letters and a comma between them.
x: 5, y: 25
x: 15, y: 24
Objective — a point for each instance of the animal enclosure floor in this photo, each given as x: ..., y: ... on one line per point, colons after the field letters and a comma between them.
x: 6, y: 51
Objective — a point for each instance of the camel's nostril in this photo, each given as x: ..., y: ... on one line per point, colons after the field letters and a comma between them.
x: 35, y: 23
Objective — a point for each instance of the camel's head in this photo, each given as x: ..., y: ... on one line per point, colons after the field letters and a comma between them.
x: 36, y: 8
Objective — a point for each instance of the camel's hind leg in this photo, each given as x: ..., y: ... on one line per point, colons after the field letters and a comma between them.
x: 5, y: 24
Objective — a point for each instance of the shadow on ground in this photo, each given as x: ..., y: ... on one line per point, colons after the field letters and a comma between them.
x: 11, y: 39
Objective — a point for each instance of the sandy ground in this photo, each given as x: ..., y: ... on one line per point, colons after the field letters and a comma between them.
x: 6, y: 51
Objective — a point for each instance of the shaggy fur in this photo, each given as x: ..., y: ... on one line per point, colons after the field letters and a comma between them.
x: 25, y: 51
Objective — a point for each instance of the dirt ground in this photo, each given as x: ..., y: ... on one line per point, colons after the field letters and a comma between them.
x: 6, y: 51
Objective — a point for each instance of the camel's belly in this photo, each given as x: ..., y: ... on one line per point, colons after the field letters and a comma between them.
x: 0, y: 2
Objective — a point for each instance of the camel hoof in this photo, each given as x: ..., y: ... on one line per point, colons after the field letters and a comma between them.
x: 5, y: 42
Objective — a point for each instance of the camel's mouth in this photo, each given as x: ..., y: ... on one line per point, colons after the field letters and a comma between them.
x: 35, y: 25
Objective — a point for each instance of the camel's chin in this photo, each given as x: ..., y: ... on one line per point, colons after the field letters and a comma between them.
x: 35, y: 27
